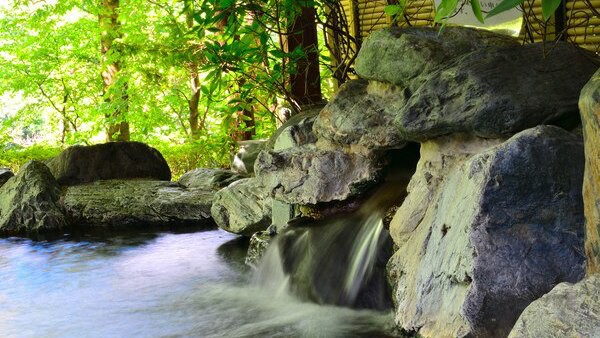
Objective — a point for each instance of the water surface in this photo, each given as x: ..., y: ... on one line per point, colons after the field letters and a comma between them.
x: 155, y: 285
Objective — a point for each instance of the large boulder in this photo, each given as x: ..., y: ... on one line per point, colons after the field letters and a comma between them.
x: 307, y: 175
x: 114, y: 160
x: 208, y: 178
x: 30, y: 202
x: 497, y: 92
x: 362, y: 113
x: 127, y: 204
x: 486, y: 229
x: 244, y: 207
x: 589, y: 105
x: 5, y: 175
x: 403, y: 56
x: 569, y: 310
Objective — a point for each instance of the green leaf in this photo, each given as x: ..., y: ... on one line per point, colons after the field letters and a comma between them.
x: 549, y: 7
x: 392, y: 10
x: 477, y: 10
x: 445, y: 9
x: 503, y: 7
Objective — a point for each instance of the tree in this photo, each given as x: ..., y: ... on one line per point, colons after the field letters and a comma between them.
x: 305, y: 80
x: 115, y: 86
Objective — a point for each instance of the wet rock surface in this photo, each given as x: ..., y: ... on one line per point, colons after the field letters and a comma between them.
x: 114, y: 160
x: 130, y: 204
x: 244, y: 207
x: 487, y: 227
x: 259, y: 242
x: 589, y: 105
x: 569, y: 310
x: 30, y: 202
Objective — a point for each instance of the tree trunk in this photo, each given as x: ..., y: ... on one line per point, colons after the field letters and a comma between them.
x: 194, y: 101
x: 305, y: 84
x: 117, y: 128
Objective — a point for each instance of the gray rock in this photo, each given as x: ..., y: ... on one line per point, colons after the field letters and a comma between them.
x: 403, y: 56
x: 5, y: 174
x: 243, y: 161
x: 114, y: 160
x: 589, y: 105
x: 307, y: 175
x: 362, y: 113
x: 208, y: 178
x: 244, y: 207
x: 485, y: 230
x: 296, y: 132
x: 569, y: 310
x: 127, y: 204
x: 30, y: 202
x: 497, y: 92
x: 259, y: 242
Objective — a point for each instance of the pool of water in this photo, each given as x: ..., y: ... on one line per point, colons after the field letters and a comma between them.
x: 156, y: 285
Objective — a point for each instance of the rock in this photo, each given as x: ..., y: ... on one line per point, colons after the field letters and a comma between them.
x: 403, y: 56
x: 127, y: 204
x: 259, y: 242
x: 5, y: 174
x: 589, y: 105
x: 244, y: 207
x: 497, y: 92
x: 30, y: 202
x: 569, y: 310
x: 208, y: 178
x: 307, y: 175
x: 243, y: 161
x: 114, y: 160
x: 486, y: 229
x: 362, y: 113
x: 295, y: 132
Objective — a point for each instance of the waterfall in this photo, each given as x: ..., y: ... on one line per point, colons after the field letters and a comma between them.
x: 340, y: 260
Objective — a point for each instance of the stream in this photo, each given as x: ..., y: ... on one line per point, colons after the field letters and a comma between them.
x: 156, y: 285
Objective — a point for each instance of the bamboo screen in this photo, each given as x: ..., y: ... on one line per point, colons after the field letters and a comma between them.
x: 578, y: 20
x: 582, y: 22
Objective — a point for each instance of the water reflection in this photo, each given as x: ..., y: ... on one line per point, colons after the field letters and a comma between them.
x: 154, y: 285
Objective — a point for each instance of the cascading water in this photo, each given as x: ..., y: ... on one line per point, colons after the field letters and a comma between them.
x: 340, y: 260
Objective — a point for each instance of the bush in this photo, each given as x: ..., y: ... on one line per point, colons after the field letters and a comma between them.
x: 185, y: 157
x: 14, y: 156
x: 181, y: 157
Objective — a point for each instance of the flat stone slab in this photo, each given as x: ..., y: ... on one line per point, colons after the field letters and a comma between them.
x: 126, y: 204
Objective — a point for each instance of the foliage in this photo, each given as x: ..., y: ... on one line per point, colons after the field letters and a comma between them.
x: 51, y: 64
x: 447, y: 8
x: 181, y: 158
x: 14, y: 157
